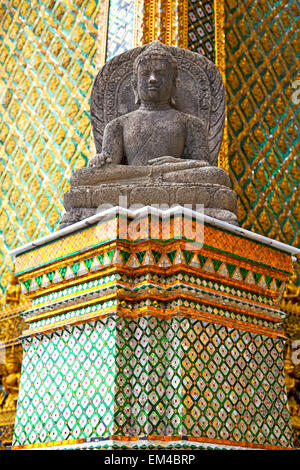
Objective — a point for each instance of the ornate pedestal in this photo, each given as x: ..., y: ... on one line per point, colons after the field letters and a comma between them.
x: 140, y: 339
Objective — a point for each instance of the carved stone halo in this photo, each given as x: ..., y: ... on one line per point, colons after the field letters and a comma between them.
x: 200, y: 92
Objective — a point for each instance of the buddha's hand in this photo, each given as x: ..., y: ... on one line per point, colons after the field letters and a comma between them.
x: 165, y: 159
x: 99, y: 160
x: 168, y: 159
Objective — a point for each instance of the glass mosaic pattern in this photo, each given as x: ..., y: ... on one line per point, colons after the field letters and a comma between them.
x: 153, y: 257
x: 153, y: 341
x: 148, y: 376
x: 201, y: 27
x: 120, y: 27
x: 47, y: 62
x: 263, y: 122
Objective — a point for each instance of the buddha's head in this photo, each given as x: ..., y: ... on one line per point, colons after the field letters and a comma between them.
x: 155, y: 76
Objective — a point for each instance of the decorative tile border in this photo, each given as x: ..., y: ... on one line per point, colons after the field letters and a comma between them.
x: 158, y: 257
x: 237, y: 242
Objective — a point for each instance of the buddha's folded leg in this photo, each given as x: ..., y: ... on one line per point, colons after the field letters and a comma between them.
x: 109, y: 173
x: 208, y: 174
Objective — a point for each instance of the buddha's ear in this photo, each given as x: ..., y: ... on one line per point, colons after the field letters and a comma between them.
x: 135, y: 92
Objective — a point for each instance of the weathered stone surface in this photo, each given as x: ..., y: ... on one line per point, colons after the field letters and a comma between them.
x: 76, y: 215
x: 225, y: 216
x: 212, y: 175
x: 92, y: 176
x: 210, y: 195
x: 158, y: 139
x: 198, y: 92
x: 225, y: 199
x: 185, y: 171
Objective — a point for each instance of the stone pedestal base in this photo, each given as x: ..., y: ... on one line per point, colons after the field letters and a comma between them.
x: 148, y: 342
x: 186, y: 184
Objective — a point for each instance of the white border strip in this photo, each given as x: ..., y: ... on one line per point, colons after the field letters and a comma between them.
x: 106, y: 444
x: 153, y: 210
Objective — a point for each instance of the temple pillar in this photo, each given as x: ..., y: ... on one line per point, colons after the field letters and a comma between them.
x: 145, y: 335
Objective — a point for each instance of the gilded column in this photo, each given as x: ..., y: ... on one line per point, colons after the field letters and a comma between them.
x: 165, y: 20
x: 102, y: 33
x: 221, y: 64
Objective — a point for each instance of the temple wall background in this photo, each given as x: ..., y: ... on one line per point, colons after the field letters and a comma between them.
x: 49, y: 54
x: 263, y: 122
x: 48, y: 62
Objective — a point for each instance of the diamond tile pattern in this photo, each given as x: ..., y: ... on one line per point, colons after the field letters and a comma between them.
x: 151, y: 376
x: 67, y: 385
x: 263, y: 120
x: 201, y: 27
x: 47, y: 62
x: 152, y: 257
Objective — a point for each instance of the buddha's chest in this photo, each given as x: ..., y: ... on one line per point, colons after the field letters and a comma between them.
x: 147, y: 138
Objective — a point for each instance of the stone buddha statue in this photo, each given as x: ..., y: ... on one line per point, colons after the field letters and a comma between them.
x: 164, y: 149
x: 156, y: 129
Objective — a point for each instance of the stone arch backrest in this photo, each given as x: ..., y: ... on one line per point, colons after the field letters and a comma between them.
x: 200, y: 92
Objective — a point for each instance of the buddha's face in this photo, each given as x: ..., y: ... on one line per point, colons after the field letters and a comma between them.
x: 155, y: 81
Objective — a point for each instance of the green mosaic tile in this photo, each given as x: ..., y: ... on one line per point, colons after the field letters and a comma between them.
x: 152, y: 376
x: 156, y: 255
x: 263, y: 141
x: 201, y: 27
x: 88, y: 262
x: 47, y: 67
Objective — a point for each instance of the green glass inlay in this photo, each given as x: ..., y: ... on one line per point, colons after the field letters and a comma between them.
x: 268, y: 280
x: 125, y: 255
x: 140, y: 256
x: 38, y: 280
x: 110, y: 254
x: 216, y: 263
x: 75, y: 268
x: 50, y: 275
x: 156, y: 255
x: 100, y: 258
x: 202, y: 260
x: 27, y: 283
x: 256, y: 276
x: 88, y: 262
x: 188, y: 255
x: 171, y: 256
x: 244, y: 273
x: 63, y: 271
x: 231, y: 268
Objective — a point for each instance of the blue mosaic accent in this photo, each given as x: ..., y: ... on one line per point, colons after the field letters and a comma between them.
x: 201, y: 27
x: 120, y: 27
